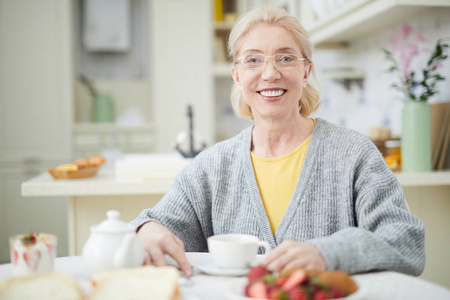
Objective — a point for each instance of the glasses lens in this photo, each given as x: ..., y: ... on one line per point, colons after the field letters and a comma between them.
x: 253, y: 61
x: 286, y: 61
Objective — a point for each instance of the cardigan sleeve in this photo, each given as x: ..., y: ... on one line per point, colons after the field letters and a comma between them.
x: 176, y: 212
x: 387, y: 235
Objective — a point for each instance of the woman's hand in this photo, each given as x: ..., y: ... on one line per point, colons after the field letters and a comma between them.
x: 158, y: 240
x: 293, y: 254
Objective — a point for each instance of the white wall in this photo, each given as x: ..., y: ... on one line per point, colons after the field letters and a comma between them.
x: 377, y: 104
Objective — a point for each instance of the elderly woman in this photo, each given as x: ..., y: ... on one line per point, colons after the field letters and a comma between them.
x: 320, y: 194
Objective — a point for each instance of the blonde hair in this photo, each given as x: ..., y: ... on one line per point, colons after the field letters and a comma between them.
x: 310, y: 99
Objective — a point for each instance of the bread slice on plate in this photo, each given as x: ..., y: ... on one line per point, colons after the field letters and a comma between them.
x: 146, y: 282
x: 49, y: 286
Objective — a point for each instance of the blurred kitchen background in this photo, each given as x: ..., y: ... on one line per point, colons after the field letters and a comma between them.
x: 147, y: 60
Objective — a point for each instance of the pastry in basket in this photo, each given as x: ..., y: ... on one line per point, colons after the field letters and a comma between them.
x: 146, y: 282
x: 67, y: 168
x: 90, y: 162
x: 95, y: 161
x: 298, y: 284
x: 81, y: 168
x: 48, y: 286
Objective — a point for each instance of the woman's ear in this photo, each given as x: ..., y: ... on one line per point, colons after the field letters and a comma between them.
x: 306, y: 74
x: 236, y: 78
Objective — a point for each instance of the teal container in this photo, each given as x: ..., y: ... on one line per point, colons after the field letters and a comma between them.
x: 416, y: 137
x: 102, y: 109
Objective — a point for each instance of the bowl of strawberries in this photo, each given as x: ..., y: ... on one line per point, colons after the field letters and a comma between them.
x: 296, y: 284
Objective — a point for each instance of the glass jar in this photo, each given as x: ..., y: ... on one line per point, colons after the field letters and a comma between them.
x: 393, y: 155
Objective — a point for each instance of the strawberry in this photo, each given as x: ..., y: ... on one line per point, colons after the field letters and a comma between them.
x: 257, y: 272
x: 29, y: 239
x: 280, y: 281
x: 297, y: 294
x: 320, y: 295
x: 258, y: 290
x: 296, y: 278
x: 32, y: 259
x: 337, y: 293
x: 51, y: 249
x: 274, y: 293
x: 16, y: 257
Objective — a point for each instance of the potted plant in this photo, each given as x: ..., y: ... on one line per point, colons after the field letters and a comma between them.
x: 417, y: 88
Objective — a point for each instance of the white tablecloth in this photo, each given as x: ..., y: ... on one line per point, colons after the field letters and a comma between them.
x: 375, y: 286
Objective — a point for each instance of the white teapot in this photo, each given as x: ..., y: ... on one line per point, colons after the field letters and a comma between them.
x: 113, y: 244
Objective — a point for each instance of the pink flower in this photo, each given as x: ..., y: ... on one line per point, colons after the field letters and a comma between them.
x: 420, y: 37
x: 437, y: 66
x: 406, y: 30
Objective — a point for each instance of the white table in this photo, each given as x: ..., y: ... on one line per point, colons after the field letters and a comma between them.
x: 376, y: 286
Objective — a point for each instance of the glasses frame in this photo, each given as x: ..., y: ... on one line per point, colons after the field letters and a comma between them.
x: 273, y: 61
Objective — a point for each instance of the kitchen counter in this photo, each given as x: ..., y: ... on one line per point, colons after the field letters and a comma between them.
x: 427, y: 194
x: 105, y: 183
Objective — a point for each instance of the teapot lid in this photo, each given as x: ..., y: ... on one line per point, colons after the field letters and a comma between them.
x: 112, y: 224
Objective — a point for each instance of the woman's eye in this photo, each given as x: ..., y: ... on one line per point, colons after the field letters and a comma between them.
x: 286, y: 58
x: 252, y: 59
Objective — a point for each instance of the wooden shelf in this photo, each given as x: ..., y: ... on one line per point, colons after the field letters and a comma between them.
x: 222, y: 25
x: 362, y: 17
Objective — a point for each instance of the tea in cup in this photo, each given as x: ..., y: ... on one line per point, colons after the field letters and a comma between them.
x: 32, y: 253
x: 236, y: 251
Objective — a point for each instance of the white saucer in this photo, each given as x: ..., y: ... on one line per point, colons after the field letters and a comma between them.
x: 208, y: 266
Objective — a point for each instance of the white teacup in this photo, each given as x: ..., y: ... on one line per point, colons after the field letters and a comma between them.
x: 236, y: 251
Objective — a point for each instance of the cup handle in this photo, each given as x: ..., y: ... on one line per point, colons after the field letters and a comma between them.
x: 267, y: 249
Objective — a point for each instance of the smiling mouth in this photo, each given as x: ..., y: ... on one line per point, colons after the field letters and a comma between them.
x: 272, y: 93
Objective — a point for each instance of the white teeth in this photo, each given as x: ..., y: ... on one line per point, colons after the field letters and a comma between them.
x: 272, y: 93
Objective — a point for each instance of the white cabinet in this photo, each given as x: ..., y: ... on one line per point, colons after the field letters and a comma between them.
x: 181, y: 60
x: 35, y: 79
x: 35, y: 111
x: 337, y: 22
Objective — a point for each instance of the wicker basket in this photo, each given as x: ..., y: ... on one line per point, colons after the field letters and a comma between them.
x: 81, y: 173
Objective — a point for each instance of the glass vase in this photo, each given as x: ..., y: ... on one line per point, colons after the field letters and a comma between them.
x: 102, y: 109
x: 416, y: 137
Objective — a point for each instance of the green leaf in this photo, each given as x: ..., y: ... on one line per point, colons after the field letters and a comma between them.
x: 393, y: 68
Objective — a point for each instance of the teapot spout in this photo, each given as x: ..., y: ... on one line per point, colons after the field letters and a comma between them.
x: 130, y: 254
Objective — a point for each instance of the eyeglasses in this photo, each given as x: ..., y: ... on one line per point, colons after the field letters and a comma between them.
x: 281, y: 61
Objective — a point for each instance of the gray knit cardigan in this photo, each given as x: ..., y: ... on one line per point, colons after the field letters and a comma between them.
x: 347, y: 202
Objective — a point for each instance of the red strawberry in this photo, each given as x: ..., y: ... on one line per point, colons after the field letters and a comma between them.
x: 297, y: 294
x: 280, y: 281
x: 274, y: 293
x: 51, y: 249
x: 258, y: 290
x: 295, y: 279
x: 16, y: 257
x: 32, y: 259
x: 337, y: 293
x: 256, y: 273
x: 320, y: 295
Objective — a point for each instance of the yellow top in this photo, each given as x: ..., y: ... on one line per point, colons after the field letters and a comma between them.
x: 277, y: 179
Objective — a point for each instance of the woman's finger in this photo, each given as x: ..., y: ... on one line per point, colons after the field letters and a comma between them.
x: 276, y: 253
x: 176, y: 251
x: 157, y: 256
x: 148, y: 259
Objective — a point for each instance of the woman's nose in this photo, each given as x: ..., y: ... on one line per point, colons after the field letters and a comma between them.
x: 270, y: 72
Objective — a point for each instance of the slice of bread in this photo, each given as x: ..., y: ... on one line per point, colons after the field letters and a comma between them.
x: 49, y: 286
x: 146, y: 282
